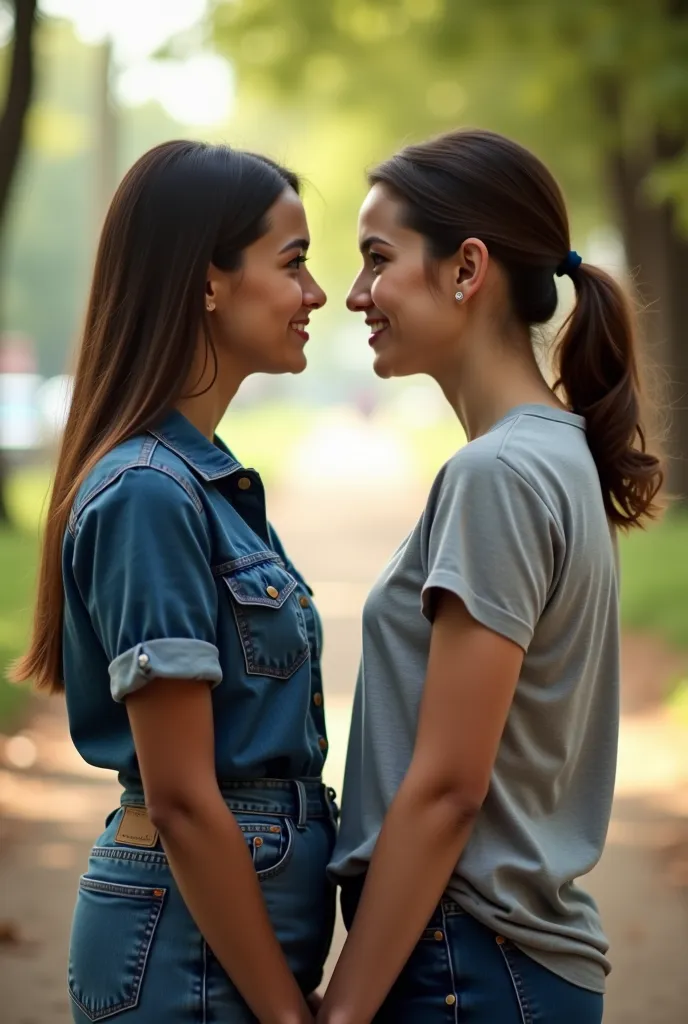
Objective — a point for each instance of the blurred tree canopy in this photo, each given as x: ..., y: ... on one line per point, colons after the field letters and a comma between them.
x: 600, y: 91
x: 54, y: 217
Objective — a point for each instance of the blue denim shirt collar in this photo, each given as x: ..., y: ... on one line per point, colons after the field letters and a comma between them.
x: 211, y: 460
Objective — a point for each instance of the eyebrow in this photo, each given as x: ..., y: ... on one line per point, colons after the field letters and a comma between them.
x: 373, y: 240
x: 296, y: 243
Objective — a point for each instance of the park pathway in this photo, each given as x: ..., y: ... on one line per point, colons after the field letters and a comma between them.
x: 52, y: 810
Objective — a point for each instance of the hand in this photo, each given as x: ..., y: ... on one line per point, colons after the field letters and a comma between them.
x: 314, y: 1002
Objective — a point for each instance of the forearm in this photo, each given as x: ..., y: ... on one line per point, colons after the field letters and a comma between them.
x: 421, y: 840
x: 213, y: 869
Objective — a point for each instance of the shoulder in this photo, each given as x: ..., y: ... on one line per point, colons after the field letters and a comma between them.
x: 139, y: 473
x: 526, y: 464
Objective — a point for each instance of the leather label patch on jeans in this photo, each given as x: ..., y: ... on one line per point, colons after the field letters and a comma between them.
x: 135, y: 828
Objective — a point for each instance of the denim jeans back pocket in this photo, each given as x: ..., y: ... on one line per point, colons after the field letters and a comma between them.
x: 270, y: 844
x: 269, y: 619
x: 112, y: 935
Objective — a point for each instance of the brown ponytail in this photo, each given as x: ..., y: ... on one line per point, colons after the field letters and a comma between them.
x: 474, y: 183
x: 598, y: 372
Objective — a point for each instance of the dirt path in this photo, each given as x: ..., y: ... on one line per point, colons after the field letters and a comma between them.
x: 52, y: 810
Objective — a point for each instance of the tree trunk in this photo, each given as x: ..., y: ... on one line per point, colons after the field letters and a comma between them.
x: 12, y: 122
x: 658, y: 261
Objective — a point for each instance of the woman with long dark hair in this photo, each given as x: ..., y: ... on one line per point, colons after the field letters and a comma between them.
x: 481, y: 761
x: 186, y: 642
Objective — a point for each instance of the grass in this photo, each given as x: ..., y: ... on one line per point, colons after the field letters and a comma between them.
x: 654, y: 580
x: 18, y: 557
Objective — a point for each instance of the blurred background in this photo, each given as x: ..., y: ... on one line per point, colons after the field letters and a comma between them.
x: 600, y: 91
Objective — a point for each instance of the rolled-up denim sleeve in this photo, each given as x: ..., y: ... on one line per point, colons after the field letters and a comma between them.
x: 141, y: 560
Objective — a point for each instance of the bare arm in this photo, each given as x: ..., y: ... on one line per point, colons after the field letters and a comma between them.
x: 471, y: 679
x: 172, y: 724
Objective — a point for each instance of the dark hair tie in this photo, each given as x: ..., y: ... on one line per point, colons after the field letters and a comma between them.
x: 569, y: 264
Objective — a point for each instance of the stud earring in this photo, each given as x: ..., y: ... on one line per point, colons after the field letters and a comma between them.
x: 459, y: 296
x: 210, y: 305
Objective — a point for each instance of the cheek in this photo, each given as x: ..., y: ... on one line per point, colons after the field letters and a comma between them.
x: 283, y: 298
x: 271, y: 299
x: 402, y: 296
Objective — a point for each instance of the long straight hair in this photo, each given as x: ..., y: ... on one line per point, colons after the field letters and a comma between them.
x: 474, y: 183
x: 182, y: 206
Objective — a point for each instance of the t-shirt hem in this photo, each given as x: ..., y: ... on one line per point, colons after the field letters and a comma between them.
x: 575, y: 976
x: 487, y: 614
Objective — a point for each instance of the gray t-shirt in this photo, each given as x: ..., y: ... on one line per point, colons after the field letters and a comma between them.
x: 515, y: 526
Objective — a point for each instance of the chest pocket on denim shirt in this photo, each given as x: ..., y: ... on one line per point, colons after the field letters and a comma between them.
x: 269, y: 619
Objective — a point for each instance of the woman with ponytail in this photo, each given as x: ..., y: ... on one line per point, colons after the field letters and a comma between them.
x: 481, y: 762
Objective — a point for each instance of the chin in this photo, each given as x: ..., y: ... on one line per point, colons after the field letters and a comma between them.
x: 293, y: 362
x: 385, y: 368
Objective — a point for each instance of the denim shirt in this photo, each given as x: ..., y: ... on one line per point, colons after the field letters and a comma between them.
x: 171, y: 570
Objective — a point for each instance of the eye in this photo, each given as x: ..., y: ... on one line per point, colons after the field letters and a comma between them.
x: 297, y: 262
x: 377, y: 259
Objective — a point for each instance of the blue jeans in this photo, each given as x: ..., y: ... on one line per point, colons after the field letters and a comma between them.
x: 135, y: 951
x: 462, y: 973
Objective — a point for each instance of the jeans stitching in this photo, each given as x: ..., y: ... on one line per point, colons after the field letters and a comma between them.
x: 451, y: 965
x: 243, y: 597
x: 147, y: 449
x: 151, y: 925
x: 247, y: 562
x: 516, y: 981
x: 115, y: 853
x: 112, y: 477
x: 282, y: 863
x: 217, y: 475
x: 252, y: 668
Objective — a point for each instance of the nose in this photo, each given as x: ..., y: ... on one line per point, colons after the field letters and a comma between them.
x: 359, y: 298
x: 313, y: 295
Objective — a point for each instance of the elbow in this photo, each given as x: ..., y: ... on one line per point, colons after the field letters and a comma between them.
x: 461, y: 807
x: 455, y: 804
x: 170, y: 810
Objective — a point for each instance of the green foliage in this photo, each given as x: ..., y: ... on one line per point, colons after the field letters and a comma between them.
x: 654, y: 581
x: 18, y: 557
x: 574, y: 81
x: 54, y: 220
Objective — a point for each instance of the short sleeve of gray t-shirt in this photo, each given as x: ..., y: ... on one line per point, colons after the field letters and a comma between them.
x: 491, y: 540
x: 514, y: 525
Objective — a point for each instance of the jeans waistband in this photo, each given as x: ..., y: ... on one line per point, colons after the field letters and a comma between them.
x: 299, y: 799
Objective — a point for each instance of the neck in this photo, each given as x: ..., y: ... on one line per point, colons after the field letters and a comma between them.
x: 494, y: 376
x: 209, y: 390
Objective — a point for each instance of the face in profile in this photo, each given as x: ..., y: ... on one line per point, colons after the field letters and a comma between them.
x: 262, y: 310
x: 408, y: 304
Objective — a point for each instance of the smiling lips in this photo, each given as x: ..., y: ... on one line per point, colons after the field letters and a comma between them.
x: 299, y: 326
x: 376, y: 329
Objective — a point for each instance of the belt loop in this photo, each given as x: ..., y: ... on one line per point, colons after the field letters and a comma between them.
x: 303, y: 804
x: 332, y: 805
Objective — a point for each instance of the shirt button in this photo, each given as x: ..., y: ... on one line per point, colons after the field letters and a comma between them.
x: 304, y: 602
x: 317, y: 700
x: 450, y: 1000
x: 144, y: 660
x: 322, y: 743
x: 272, y: 592
x: 244, y: 484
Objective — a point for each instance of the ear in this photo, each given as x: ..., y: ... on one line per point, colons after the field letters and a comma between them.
x: 211, y: 289
x: 470, y: 267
